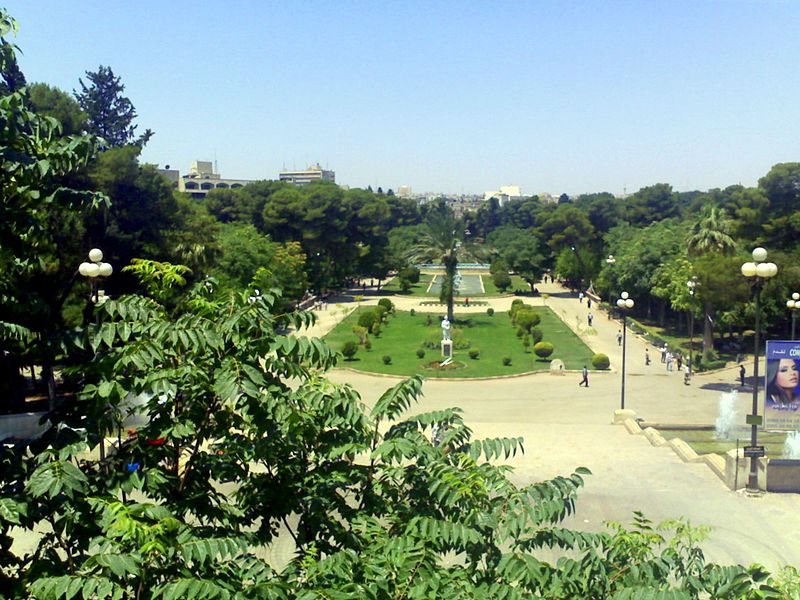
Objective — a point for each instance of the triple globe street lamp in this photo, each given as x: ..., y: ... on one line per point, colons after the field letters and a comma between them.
x: 624, y: 303
x: 759, y: 270
x: 793, y: 304
x: 691, y: 284
x: 610, y: 262
x: 95, y: 271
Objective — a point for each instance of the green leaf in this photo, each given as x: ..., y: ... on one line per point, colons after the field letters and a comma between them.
x: 11, y: 510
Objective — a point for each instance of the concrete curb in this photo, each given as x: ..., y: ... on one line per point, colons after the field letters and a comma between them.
x: 718, y: 464
x: 654, y: 437
x: 684, y: 451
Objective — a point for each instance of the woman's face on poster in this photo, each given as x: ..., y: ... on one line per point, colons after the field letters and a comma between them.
x: 787, y: 376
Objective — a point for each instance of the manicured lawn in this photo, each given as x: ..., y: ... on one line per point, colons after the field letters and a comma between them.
x: 417, y: 289
x: 420, y: 289
x: 493, y: 336
x: 704, y: 442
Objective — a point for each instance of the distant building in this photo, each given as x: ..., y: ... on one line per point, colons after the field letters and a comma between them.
x: 201, y: 179
x: 404, y: 191
x: 313, y: 173
x: 504, y: 194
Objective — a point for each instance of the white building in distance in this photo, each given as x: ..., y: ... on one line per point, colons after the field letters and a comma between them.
x: 201, y: 179
x: 313, y: 173
x: 504, y: 194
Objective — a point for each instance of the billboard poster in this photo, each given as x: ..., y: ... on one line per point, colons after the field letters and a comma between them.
x: 782, y: 385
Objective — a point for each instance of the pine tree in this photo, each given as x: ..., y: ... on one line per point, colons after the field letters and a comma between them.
x: 110, y: 113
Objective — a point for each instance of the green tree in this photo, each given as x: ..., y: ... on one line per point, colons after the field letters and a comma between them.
x: 53, y: 102
x: 443, y: 240
x: 110, y: 114
x: 651, y: 204
x: 40, y: 221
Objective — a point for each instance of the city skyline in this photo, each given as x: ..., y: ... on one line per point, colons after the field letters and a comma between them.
x: 452, y: 98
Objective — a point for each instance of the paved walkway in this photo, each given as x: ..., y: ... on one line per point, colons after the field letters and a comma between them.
x: 566, y: 426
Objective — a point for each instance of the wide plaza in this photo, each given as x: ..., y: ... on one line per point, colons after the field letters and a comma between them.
x: 566, y: 426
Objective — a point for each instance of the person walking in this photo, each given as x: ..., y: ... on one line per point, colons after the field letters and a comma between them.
x: 687, y: 375
x: 646, y: 357
x: 741, y: 375
x: 588, y: 302
x: 585, y: 373
x: 664, y: 353
x: 669, y: 361
x: 679, y: 360
x: 580, y: 297
x: 590, y: 318
x: 619, y: 338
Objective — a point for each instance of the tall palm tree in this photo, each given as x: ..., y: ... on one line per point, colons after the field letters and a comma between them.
x: 710, y: 234
x: 444, y: 239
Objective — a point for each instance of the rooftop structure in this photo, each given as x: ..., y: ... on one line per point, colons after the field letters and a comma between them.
x: 201, y: 179
x: 313, y: 173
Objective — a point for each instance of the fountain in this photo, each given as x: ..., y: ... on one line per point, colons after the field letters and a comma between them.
x: 726, y: 421
x: 791, y: 447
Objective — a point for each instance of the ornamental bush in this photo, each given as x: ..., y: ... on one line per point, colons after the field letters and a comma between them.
x: 387, y: 304
x: 349, y: 349
x: 536, y: 335
x: 501, y: 281
x: 367, y: 319
x: 506, y: 361
x: 474, y: 354
x: 420, y: 353
x: 600, y: 361
x: 543, y: 349
x: 490, y: 311
x: 527, y: 319
x: 387, y: 360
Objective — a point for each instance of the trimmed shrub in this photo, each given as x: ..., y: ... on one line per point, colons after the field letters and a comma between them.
x: 600, y: 361
x: 376, y: 329
x: 380, y: 312
x: 527, y: 319
x: 349, y: 349
x: 429, y: 320
x: 420, y: 353
x: 412, y: 312
x: 387, y: 360
x: 501, y: 281
x: 526, y: 342
x: 387, y: 304
x: 368, y: 344
x: 536, y: 335
x: 361, y: 333
x: 490, y: 311
x: 543, y: 349
x: 474, y: 354
x: 409, y: 273
x: 506, y: 361
x: 367, y: 319
x: 404, y: 283
x: 521, y: 331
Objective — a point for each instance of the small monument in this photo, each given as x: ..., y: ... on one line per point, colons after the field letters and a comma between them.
x: 447, y: 343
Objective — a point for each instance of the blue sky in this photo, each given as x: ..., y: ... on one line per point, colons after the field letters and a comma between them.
x: 554, y: 96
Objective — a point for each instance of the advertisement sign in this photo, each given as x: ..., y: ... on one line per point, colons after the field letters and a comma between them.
x: 782, y: 385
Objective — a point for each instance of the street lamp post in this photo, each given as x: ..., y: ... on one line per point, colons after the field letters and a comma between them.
x: 692, y: 283
x: 793, y: 304
x: 759, y: 270
x: 96, y: 271
x: 610, y: 262
x: 624, y: 303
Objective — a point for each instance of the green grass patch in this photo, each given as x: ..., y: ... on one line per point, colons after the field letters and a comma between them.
x: 421, y: 289
x: 494, y: 336
x: 703, y: 441
x: 417, y: 289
